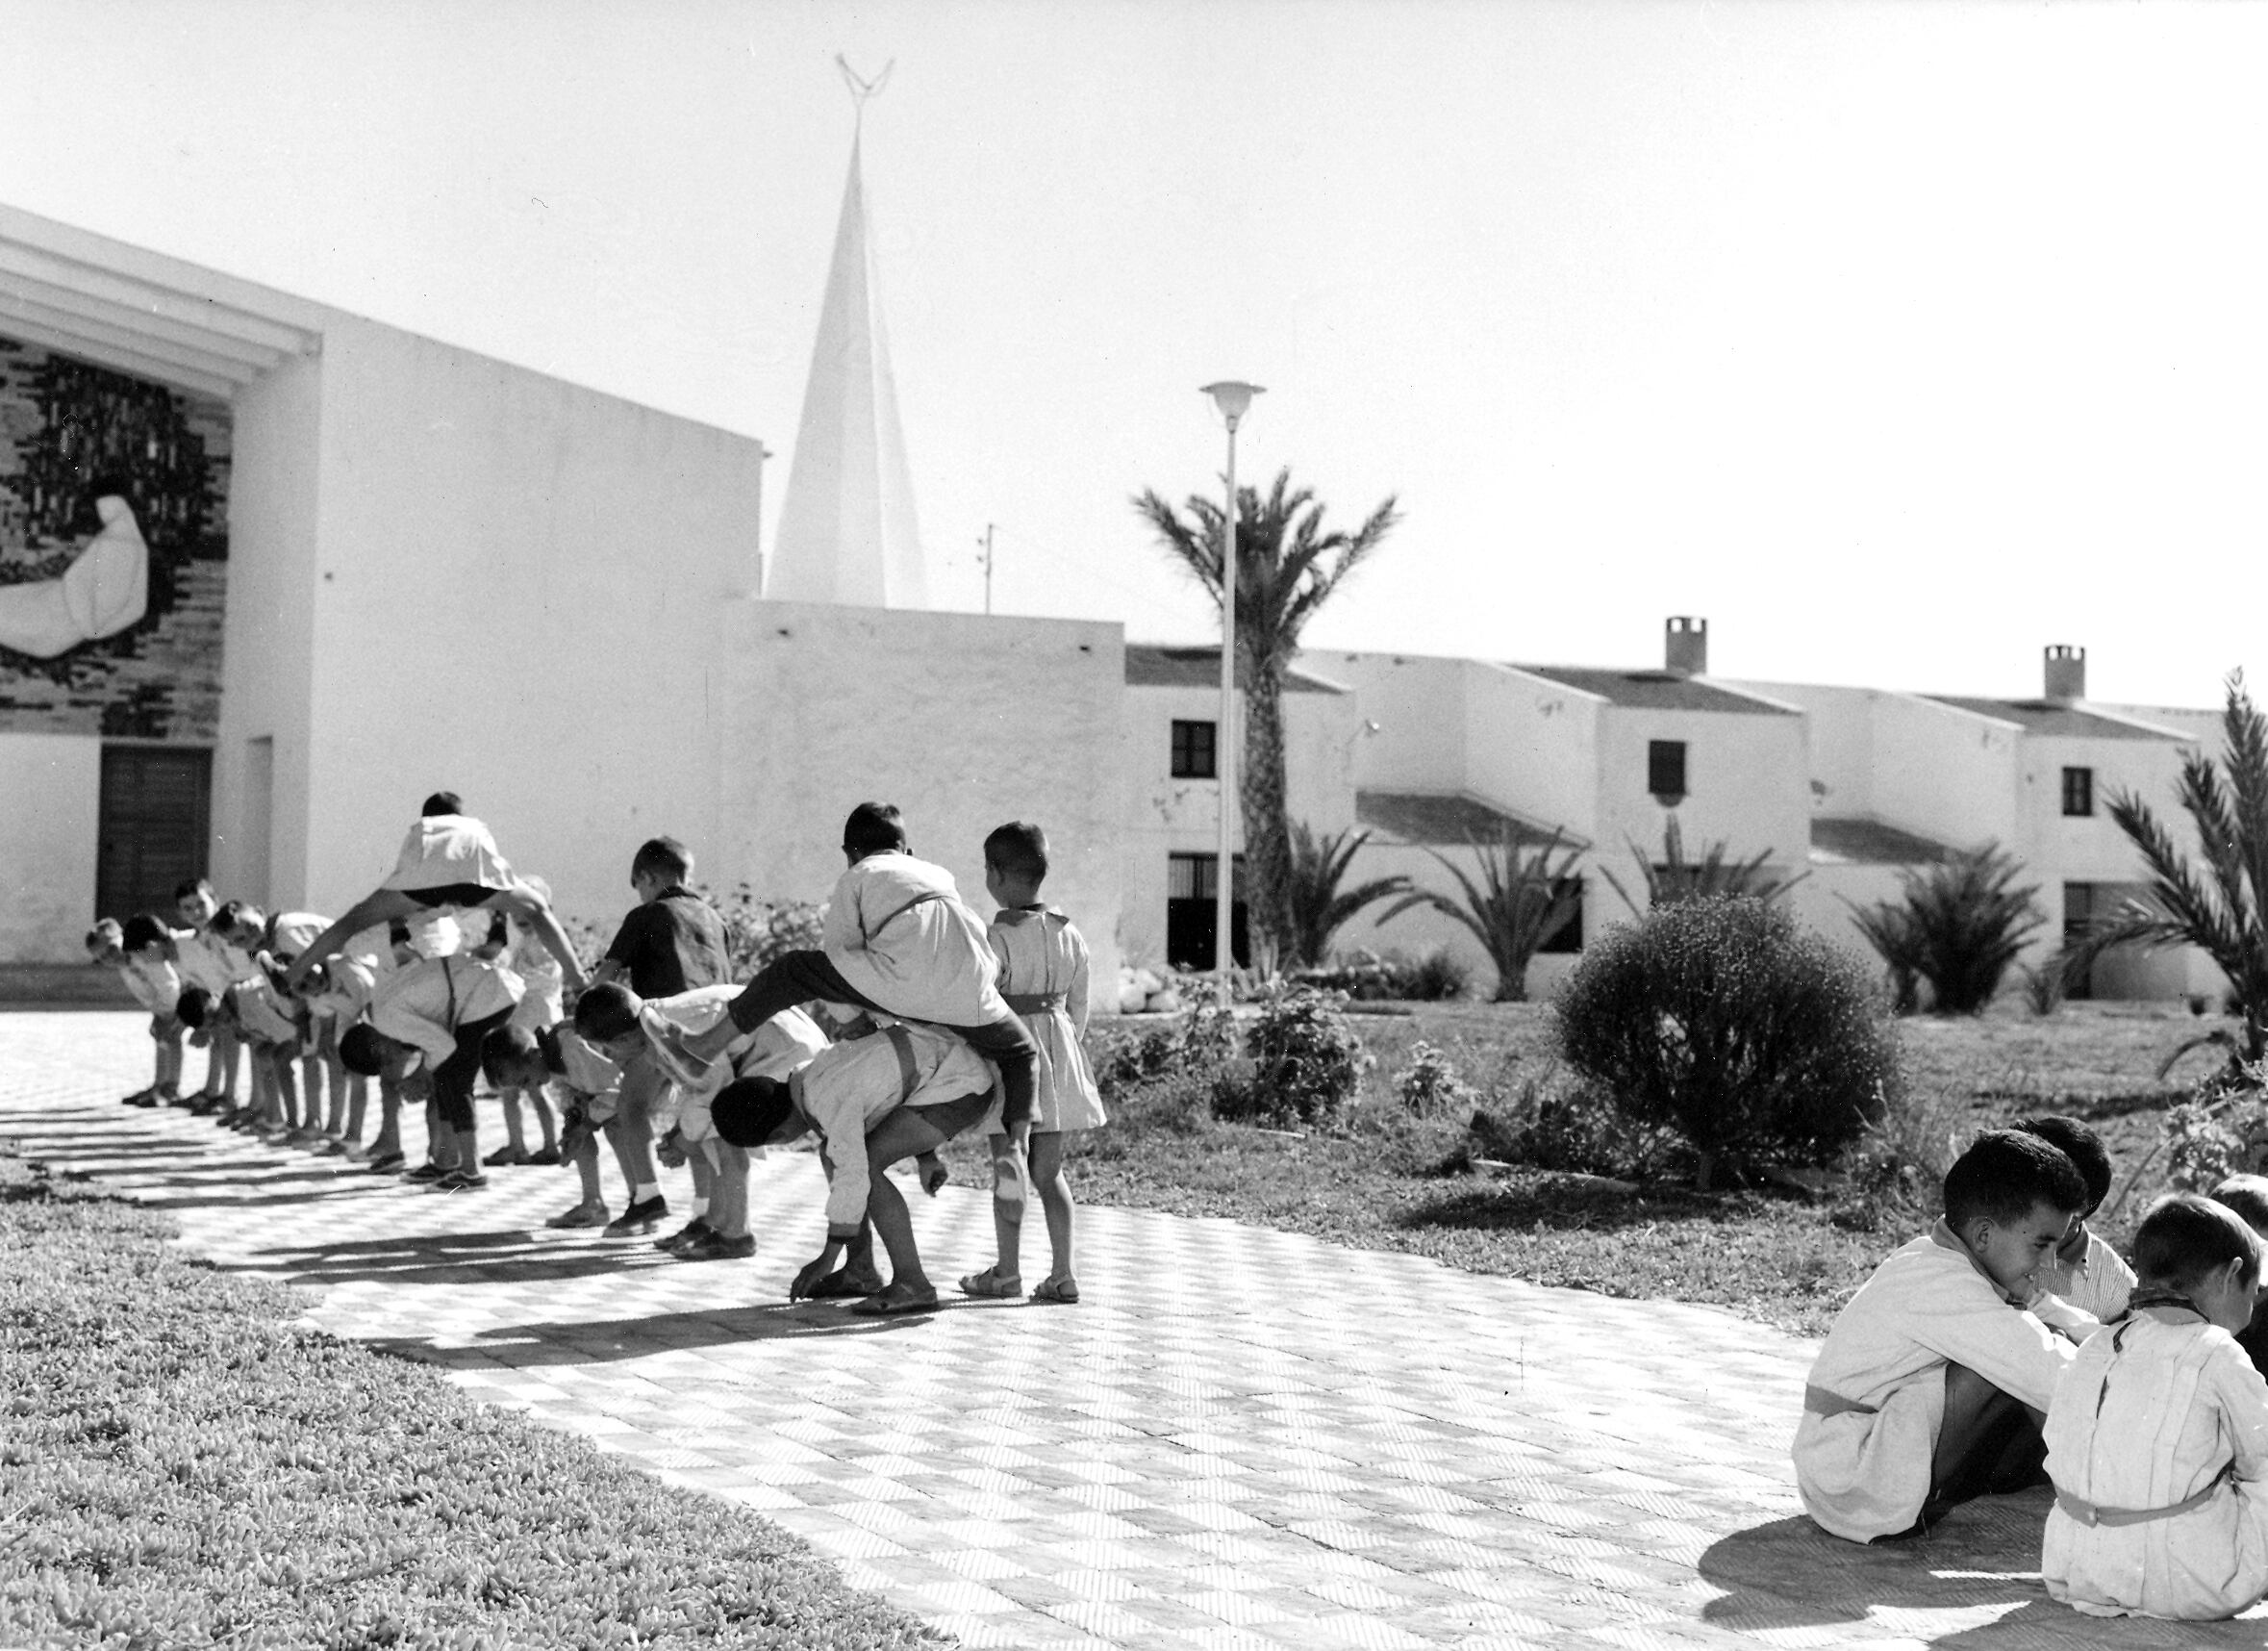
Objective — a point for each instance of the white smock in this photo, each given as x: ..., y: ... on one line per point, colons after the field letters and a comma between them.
x: 897, y: 932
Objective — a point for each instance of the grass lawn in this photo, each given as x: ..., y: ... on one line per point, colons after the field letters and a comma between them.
x: 1780, y: 1257
x: 182, y: 1465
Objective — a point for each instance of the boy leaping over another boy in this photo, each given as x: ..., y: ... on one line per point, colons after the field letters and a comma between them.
x: 1935, y: 1375
x: 900, y: 942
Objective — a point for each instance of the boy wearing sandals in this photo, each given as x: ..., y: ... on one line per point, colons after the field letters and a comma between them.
x: 1934, y: 1376
x: 2158, y: 1439
x: 874, y: 1101
x: 1044, y: 979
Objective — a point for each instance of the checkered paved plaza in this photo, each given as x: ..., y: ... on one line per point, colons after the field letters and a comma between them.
x: 1241, y: 1440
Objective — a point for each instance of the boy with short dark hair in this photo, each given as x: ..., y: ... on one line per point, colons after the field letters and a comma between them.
x: 137, y: 951
x: 875, y: 1101
x: 1934, y: 1380
x: 672, y: 942
x: 2085, y: 1270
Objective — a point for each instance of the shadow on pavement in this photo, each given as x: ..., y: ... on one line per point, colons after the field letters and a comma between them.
x: 1791, y: 1575
x: 515, y: 1256
x: 606, y: 1340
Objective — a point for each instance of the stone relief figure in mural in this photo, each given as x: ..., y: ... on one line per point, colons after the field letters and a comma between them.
x: 105, y: 589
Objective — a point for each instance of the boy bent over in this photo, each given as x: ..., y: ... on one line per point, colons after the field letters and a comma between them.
x: 1936, y: 1376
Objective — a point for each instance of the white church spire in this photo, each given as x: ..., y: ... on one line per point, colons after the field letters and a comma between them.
x: 847, y: 526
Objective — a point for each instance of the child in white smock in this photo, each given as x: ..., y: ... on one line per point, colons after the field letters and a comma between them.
x: 2157, y: 1437
x: 1044, y: 979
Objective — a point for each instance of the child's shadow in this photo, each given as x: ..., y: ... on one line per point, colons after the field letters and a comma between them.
x: 1985, y: 1558
x: 546, y: 1343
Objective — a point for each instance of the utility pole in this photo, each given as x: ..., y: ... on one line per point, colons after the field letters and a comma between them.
x: 987, y: 542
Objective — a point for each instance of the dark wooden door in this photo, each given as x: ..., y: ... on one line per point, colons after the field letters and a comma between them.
x: 155, y: 807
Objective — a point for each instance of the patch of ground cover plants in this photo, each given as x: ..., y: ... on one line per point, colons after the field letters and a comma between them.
x: 1377, y: 1174
x: 184, y: 1464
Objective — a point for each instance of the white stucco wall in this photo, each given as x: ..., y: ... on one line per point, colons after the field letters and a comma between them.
x: 964, y: 721
x: 1838, y: 740
x: 1944, y: 773
x: 519, y: 597
x: 48, y: 844
x: 267, y: 638
x: 1747, y: 782
x: 1534, y: 746
x: 1323, y: 743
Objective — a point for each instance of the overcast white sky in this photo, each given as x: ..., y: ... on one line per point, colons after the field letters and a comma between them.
x: 1897, y: 339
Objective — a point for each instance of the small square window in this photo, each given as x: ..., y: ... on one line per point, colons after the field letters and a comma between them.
x: 1665, y: 768
x: 2079, y: 792
x: 1192, y: 751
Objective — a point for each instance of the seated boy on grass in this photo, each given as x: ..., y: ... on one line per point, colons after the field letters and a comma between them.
x: 1936, y: 1375
x: 900, y: 1093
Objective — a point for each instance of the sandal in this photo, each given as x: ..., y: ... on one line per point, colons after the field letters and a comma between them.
x: 896, y: 1299
x: 992, y: 1284
x: 1064, y: 1291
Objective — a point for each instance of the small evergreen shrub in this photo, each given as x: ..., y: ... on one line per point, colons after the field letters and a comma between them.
x: 1367, y: 977
x: 1549, y: 1123
x: 1718, y: 1017
x: 1306, y: 1062
x: 1429, y: 1087
x: 2221, y: 1131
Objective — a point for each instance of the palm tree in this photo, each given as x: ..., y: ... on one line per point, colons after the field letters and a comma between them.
x: 2221, y: 908
x: 1716, y: 873
x: 1287, y: 566
x: 1958, y: 925
x: 1518, y: 902
x: 1319, y: 908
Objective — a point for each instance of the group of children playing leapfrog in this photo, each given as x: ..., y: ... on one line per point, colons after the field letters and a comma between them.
x: 2013, y: 1346
x: 914, y: 1021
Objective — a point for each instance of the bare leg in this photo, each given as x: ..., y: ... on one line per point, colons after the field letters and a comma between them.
x: 169, y: 1063
x: 512, y: 1140
x: 902, y: 1135
x: 358, y: 1101
x: 1009, y: 1200
x: 728, y: 1209
x: 1988, y: 1442
x: 390, y: 1119
x: 1055, y: 1202
x: 540, y: 1104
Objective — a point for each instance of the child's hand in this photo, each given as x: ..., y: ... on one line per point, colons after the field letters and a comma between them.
x: 671, y: 1148
x: 812, y: 1273
x: 934, y: 1174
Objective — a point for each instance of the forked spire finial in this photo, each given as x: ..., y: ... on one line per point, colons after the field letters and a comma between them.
x: 863, y: 90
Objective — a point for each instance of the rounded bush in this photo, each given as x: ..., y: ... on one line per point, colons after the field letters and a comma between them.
x: 1306, y: 1061
x: 1722, y: 1019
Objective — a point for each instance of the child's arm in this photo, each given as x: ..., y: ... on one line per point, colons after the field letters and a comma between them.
x: 1969, y: 1324
x: 842, y: 1155
x: 1078, y: 1005
x: 2243, y: 1397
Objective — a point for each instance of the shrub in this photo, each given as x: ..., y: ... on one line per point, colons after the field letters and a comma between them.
x: 2044, y: 985
x: 1674, y: 878
x: 1551, y: 1124
x: 1368, y: 978
x: 1429, y: 1087
x: 1306, y: 1062
x: 1894, y: 1171
x: 2221, y: 1131
x: 1959, y: 925
x: 1721, y: 1018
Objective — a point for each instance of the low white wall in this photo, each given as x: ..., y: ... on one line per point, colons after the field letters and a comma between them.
x: 964, y: 721
x: 49, y: 841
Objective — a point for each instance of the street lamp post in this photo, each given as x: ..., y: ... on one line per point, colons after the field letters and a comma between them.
x: 1233, y: 399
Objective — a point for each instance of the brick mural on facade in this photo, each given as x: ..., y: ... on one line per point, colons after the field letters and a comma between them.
x: 64, y: 425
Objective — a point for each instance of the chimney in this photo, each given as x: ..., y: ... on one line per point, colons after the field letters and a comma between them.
x: 2067, y: 672
x: 1685, y: 646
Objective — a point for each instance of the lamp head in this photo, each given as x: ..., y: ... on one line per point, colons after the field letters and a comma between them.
x: 1233, y: 397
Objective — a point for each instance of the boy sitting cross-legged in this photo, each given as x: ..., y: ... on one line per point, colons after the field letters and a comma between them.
x: 2085, y: 1271
x: 898, y: 1094
x: 2157, y: 1440
x: 1934, y: 1376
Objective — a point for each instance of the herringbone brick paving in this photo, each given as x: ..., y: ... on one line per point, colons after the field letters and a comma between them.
x: 1242, y: 1440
